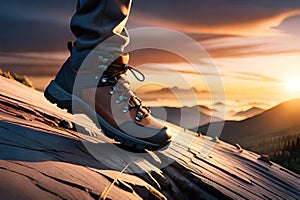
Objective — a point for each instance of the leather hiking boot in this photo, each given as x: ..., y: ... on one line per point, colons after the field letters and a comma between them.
x: 103, y: 91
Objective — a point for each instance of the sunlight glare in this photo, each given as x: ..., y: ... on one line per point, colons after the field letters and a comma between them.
x: 293, y: 85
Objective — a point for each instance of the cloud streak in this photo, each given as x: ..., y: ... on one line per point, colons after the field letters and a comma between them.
x: 242, y: 17
x: 252, y: 77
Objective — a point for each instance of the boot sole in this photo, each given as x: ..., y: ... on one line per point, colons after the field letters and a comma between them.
x: 64, y: 100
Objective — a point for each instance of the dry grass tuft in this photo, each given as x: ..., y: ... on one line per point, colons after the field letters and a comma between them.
x: 104, y: 194
x: 20, y: 78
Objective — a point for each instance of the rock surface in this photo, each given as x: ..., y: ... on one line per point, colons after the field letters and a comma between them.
x: 43, y: 157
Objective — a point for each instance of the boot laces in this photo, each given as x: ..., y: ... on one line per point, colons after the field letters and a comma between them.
x: 115, y: 76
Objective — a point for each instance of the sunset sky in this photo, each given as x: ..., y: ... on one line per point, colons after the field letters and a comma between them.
x: 255, y: 44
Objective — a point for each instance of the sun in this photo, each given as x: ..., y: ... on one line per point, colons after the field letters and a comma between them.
x: 293, y: 85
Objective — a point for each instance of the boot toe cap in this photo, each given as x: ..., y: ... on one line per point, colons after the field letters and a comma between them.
x: 160, y: 137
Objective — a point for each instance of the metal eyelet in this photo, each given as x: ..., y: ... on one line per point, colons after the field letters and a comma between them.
x: 102, y: 67
x: 139, y: 116
x: 112, y: 90
x: 105, y: 60
x: 120, y: 99
x: 103, y: 80
x: 100, y: 58
x: 126, y: 108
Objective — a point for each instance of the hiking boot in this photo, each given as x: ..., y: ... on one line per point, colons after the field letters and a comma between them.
x: 103, y: 91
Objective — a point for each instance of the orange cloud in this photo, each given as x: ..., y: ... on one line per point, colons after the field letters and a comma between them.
x: 256, y: 27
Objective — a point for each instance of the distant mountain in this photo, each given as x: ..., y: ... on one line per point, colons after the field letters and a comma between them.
x: 186, y: 117
x: 249, y: 113
x: 278, y: 121
x: 275, y: 132
x: 219, y: 104
x: 202, y: 108
x: 176, y: 90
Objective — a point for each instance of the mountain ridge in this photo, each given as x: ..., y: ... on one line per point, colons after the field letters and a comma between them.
x: 274, y: 120
x: 249, y: 112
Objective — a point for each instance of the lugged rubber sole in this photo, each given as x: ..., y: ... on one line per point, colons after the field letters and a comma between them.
x: 64, y: 100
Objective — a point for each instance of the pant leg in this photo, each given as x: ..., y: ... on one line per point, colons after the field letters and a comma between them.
x: 97, y: 20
